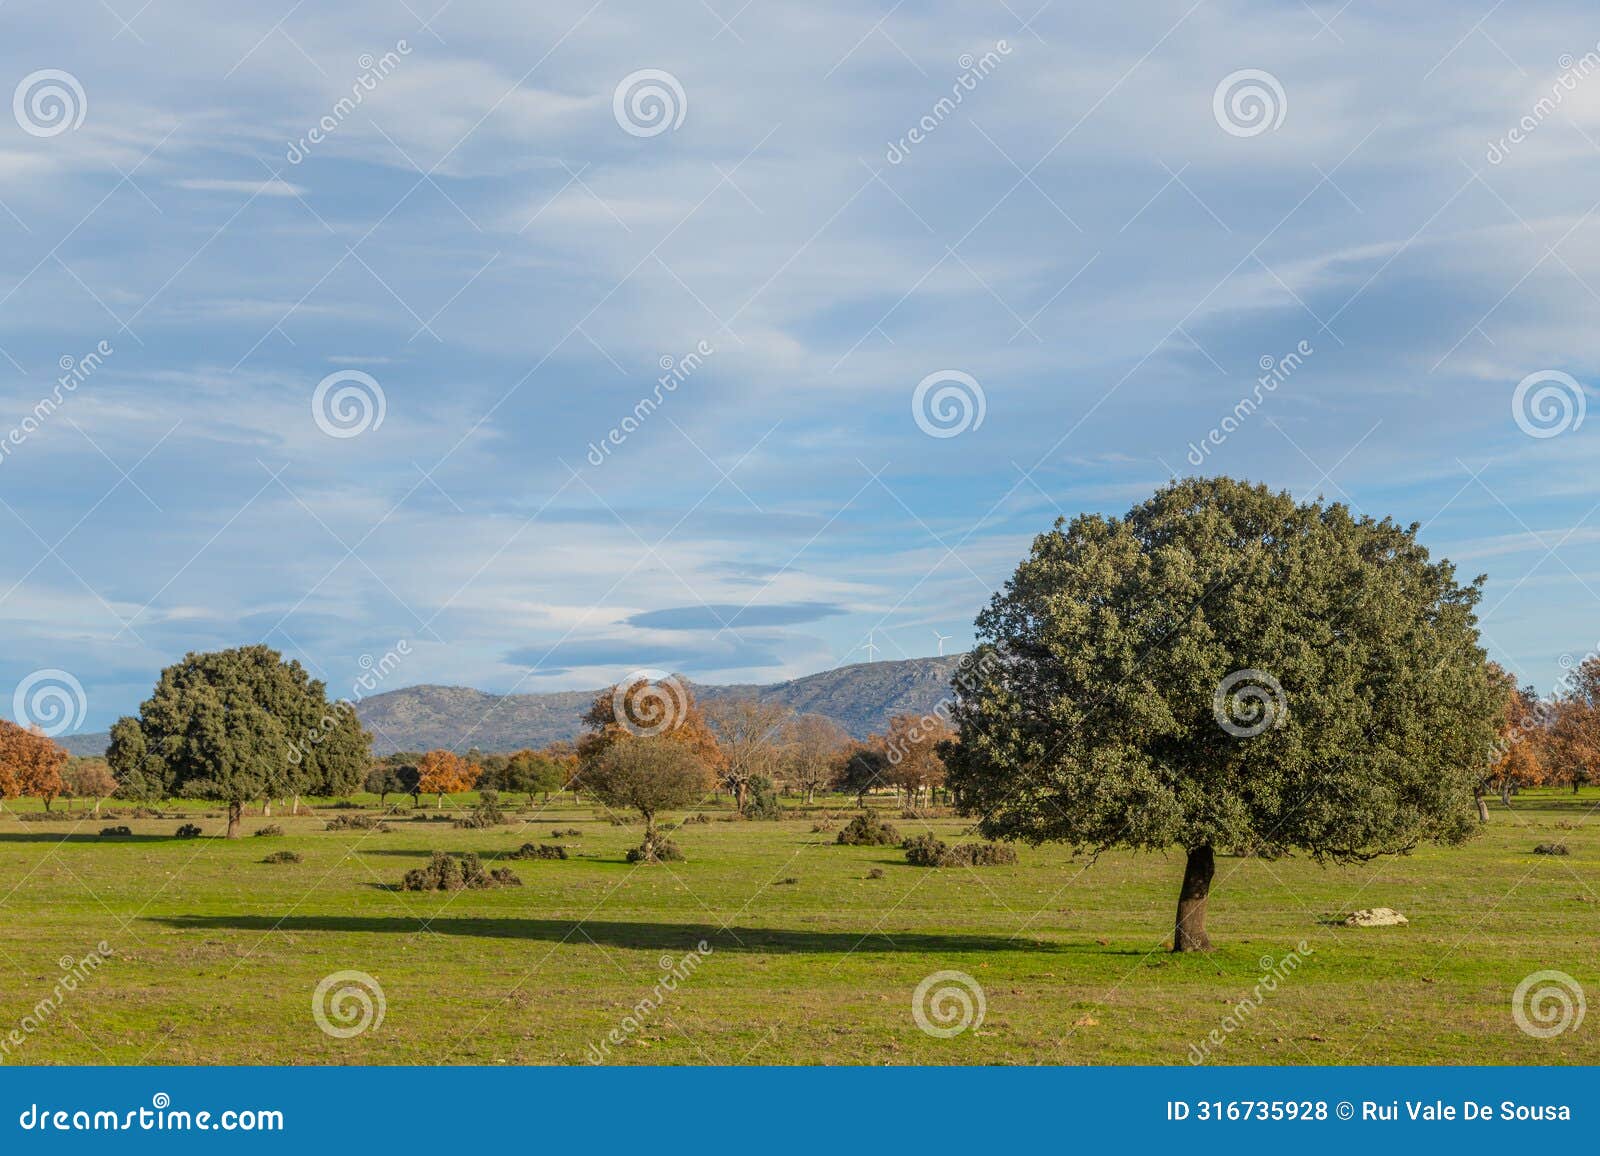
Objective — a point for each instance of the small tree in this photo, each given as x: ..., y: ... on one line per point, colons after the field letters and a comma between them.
x: 1227, y: 668
x: 534, y: 772
x: 90, y: 778
x: 860, y: 768
x: 30, y: 763
x: 381, y: 780
x: 912, y: 747
x: 444, y: 773
x: 649, y: 776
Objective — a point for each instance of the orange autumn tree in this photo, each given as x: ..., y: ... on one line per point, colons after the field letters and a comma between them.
x: 1575, y: 730
x: 661, y: 707
x: 912, y: 745
x: 444, y: 773
x: 1520, y: 756
x: 30, y: 764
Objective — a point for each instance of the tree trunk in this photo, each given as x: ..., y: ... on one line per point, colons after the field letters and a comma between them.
x: 294, y: 808
x: 1190, y: 933
x: 1483, y: 809
x: 1505, y: 793
x: 266, y: 808
x: 235, y: 813
x: 738, y: 796
x: 46, y: 804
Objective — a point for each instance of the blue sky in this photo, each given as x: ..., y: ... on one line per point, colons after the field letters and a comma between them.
x: 1104, y: 246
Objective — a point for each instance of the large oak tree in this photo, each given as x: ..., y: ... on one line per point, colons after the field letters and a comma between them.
x: 237, y: 725
x: 1221, y: 669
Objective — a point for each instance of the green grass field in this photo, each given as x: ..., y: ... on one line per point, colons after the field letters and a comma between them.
x: 217, y: 955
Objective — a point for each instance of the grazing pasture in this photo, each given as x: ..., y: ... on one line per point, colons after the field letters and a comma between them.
x: 215, y: 955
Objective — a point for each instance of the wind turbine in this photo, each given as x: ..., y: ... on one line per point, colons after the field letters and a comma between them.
x: 943, y: 638
x: 871, y: 648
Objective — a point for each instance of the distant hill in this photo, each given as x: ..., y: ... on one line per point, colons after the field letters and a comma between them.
x: 860, y: 698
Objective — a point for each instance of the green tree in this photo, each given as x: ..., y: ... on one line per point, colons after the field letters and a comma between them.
x: 237, y: 725
x: 533, y: 772
x: 861, y: 768
x: 648, y: 775
x: 1226, y: 669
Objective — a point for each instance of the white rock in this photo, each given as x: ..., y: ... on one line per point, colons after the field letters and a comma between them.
x: 1375, y: 917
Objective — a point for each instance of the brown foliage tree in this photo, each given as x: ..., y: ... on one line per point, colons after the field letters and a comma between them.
x: 443, y: 773
x: 30, y: 763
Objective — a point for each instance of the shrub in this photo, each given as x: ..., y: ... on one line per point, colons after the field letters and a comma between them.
x: 344, y: 805
x: 787, y: 881
x: 1551, y: 849
x: 824, y: 825
x: 189, y: 831
x: 486, y: 814
x: 357, y: 823
x: 981, y: 855
x: 867, y: 830
x: 661, y: 851
x: 269, y: 830
x: 538, y: 851
x: 115, y: 832
x: 762, y: 801
x: 283, y: 857
x: 875, y: 873
x: 446, y: 872
x: 925, y: 851
x: 699, y: 817
x: 570, y: 832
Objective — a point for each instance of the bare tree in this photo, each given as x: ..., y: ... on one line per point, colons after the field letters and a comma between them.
x: 750, y: 734
x: 812, y: 743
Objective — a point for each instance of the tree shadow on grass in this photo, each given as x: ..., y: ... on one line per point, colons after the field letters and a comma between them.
x: 82, y: 837
x: 609, y: 933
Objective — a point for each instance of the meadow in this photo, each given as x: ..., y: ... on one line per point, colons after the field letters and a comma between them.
x: 215, y: 955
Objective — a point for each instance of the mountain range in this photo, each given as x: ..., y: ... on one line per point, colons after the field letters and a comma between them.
x: 861, y: 698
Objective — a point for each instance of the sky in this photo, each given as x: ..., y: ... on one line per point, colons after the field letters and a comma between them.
x: 529, y: 345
